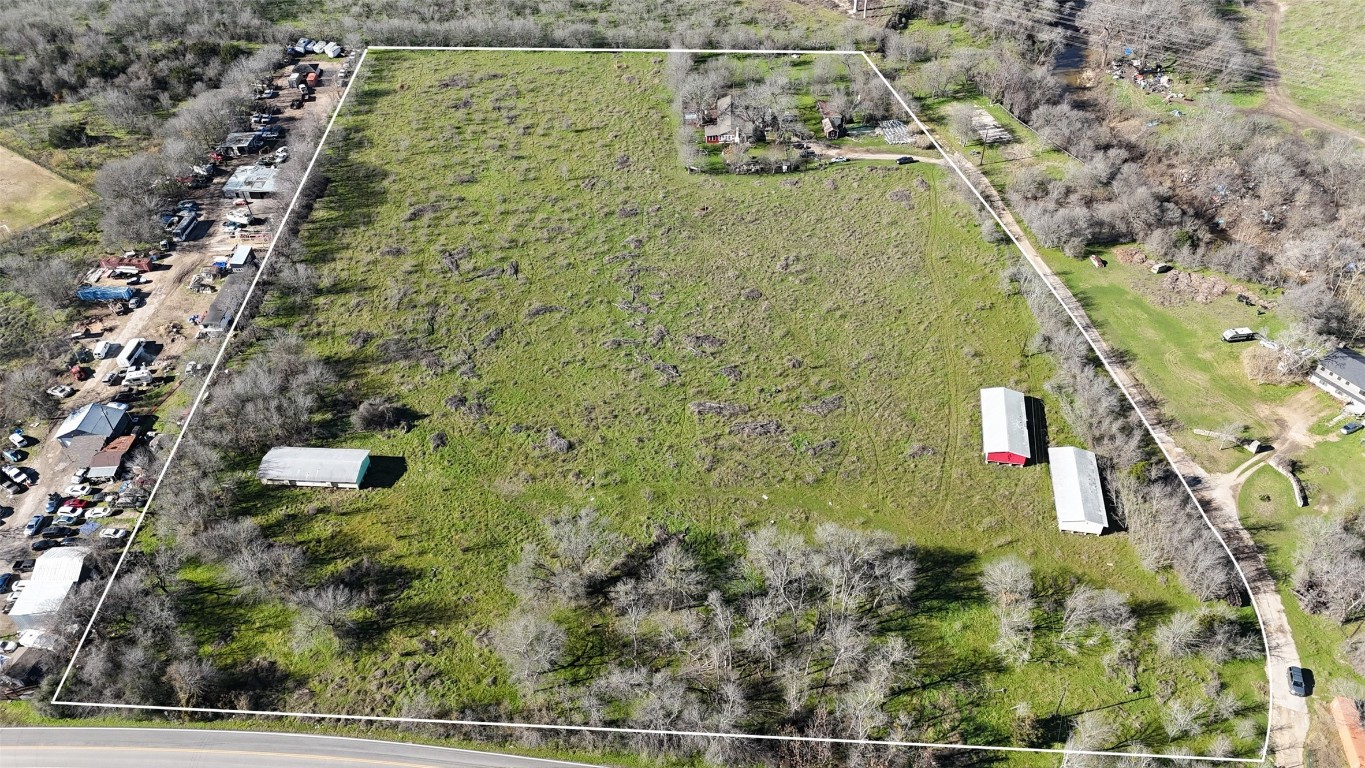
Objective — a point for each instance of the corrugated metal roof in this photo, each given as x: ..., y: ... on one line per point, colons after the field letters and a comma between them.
x: 105, y: 419
x: 314, y: 465
x: 1004, y: 422
x: 251, y: 178
x: 1346, y: 363
x: 56, y: 571
x: 1076, y: 490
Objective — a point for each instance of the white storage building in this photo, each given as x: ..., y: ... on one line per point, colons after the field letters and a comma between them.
x: 1076, y: 490
x: 324, y: 467
x: 1004, y: 426
x: 55, y: 573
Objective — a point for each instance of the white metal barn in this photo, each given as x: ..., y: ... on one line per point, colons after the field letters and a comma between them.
x: 324, y: 467
x: 54, y: 574
x: 1004, y: 426
x: 1076, y: 490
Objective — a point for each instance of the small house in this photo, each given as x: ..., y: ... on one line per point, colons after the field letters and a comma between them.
x: 321, y: 467
x: 720, y: 129
x: 251, y: 182
x: 1076, y: 490
x: 108, y: 462
x: 240, y: 144
x: 1341, y: 374
x: 831, y: 120
x: 242, y: 256
x: 1004, y: 426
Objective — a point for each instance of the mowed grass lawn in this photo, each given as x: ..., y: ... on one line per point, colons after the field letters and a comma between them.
x: 31, y: 194
x: 1320, y: 58
x: 638, y: 289
x: 1177, y: 351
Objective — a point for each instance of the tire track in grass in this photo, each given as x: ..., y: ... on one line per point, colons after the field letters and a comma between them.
x: 949, y: 365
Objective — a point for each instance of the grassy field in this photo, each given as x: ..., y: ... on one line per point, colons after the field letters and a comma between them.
x: 31, y: 195
x: 1320, y: 59
x: 1177, y: 352
x: 600, y: 290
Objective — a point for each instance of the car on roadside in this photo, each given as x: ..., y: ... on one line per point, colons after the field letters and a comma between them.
x: 125, y: 395
x: 77, y: 489
x: 96, y: 513
x: 111, y: 378
x: 807, y: 153
x: 137, y: 302
x: 58, y: 532
x: 114, y: 534
x: 75, y: 503
x: 43, y: 545
x: 61, y: 391
x: 70, y: 518
x: 1352, y: 428
x: 838, y: 159
x: 905, y: 160
x: 1298, y: 681
x: 13, y: 488
x: 7, y: 581
x: 54, y: 500
x: 13, y: 455
x: 16, y: 474
x: 18, y: 439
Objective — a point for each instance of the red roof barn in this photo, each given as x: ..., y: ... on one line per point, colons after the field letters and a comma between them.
x: 1004, y: 426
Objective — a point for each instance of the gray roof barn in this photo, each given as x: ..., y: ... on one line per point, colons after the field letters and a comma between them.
x: 325, y: 467
x: 105, y: 420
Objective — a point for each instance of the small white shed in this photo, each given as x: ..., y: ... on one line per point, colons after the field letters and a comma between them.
x: 1076, y: 490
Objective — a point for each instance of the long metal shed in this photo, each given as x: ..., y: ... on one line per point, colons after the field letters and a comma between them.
x: 1076, y: 490
x: 322, y: 467
x: 1004, y: 426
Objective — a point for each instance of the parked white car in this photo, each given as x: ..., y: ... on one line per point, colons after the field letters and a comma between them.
x: 96, y: 513
x: 60, y: 391
x: 113, y: 533
x: 16, y: 474
x: 77, y: 489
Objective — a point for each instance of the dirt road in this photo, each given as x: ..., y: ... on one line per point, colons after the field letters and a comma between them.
x: 1277, y: 101
x: 1289, y: 715
x: 862, y: 154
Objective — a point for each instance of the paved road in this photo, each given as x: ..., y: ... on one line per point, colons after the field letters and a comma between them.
x: 1289, y: 714
x: 174, y: 748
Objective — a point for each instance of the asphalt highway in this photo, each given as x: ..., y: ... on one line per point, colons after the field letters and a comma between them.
x: 175, y: 748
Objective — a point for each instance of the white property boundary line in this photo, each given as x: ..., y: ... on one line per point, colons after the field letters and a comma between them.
x: 218, y: 361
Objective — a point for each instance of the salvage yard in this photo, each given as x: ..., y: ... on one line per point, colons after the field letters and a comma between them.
x: 565, y: 318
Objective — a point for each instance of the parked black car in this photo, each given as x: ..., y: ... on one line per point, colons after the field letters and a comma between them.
x: 24, y: 566
x: 58, y: 532
x: 904, y: 160
x: 42, y: 545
